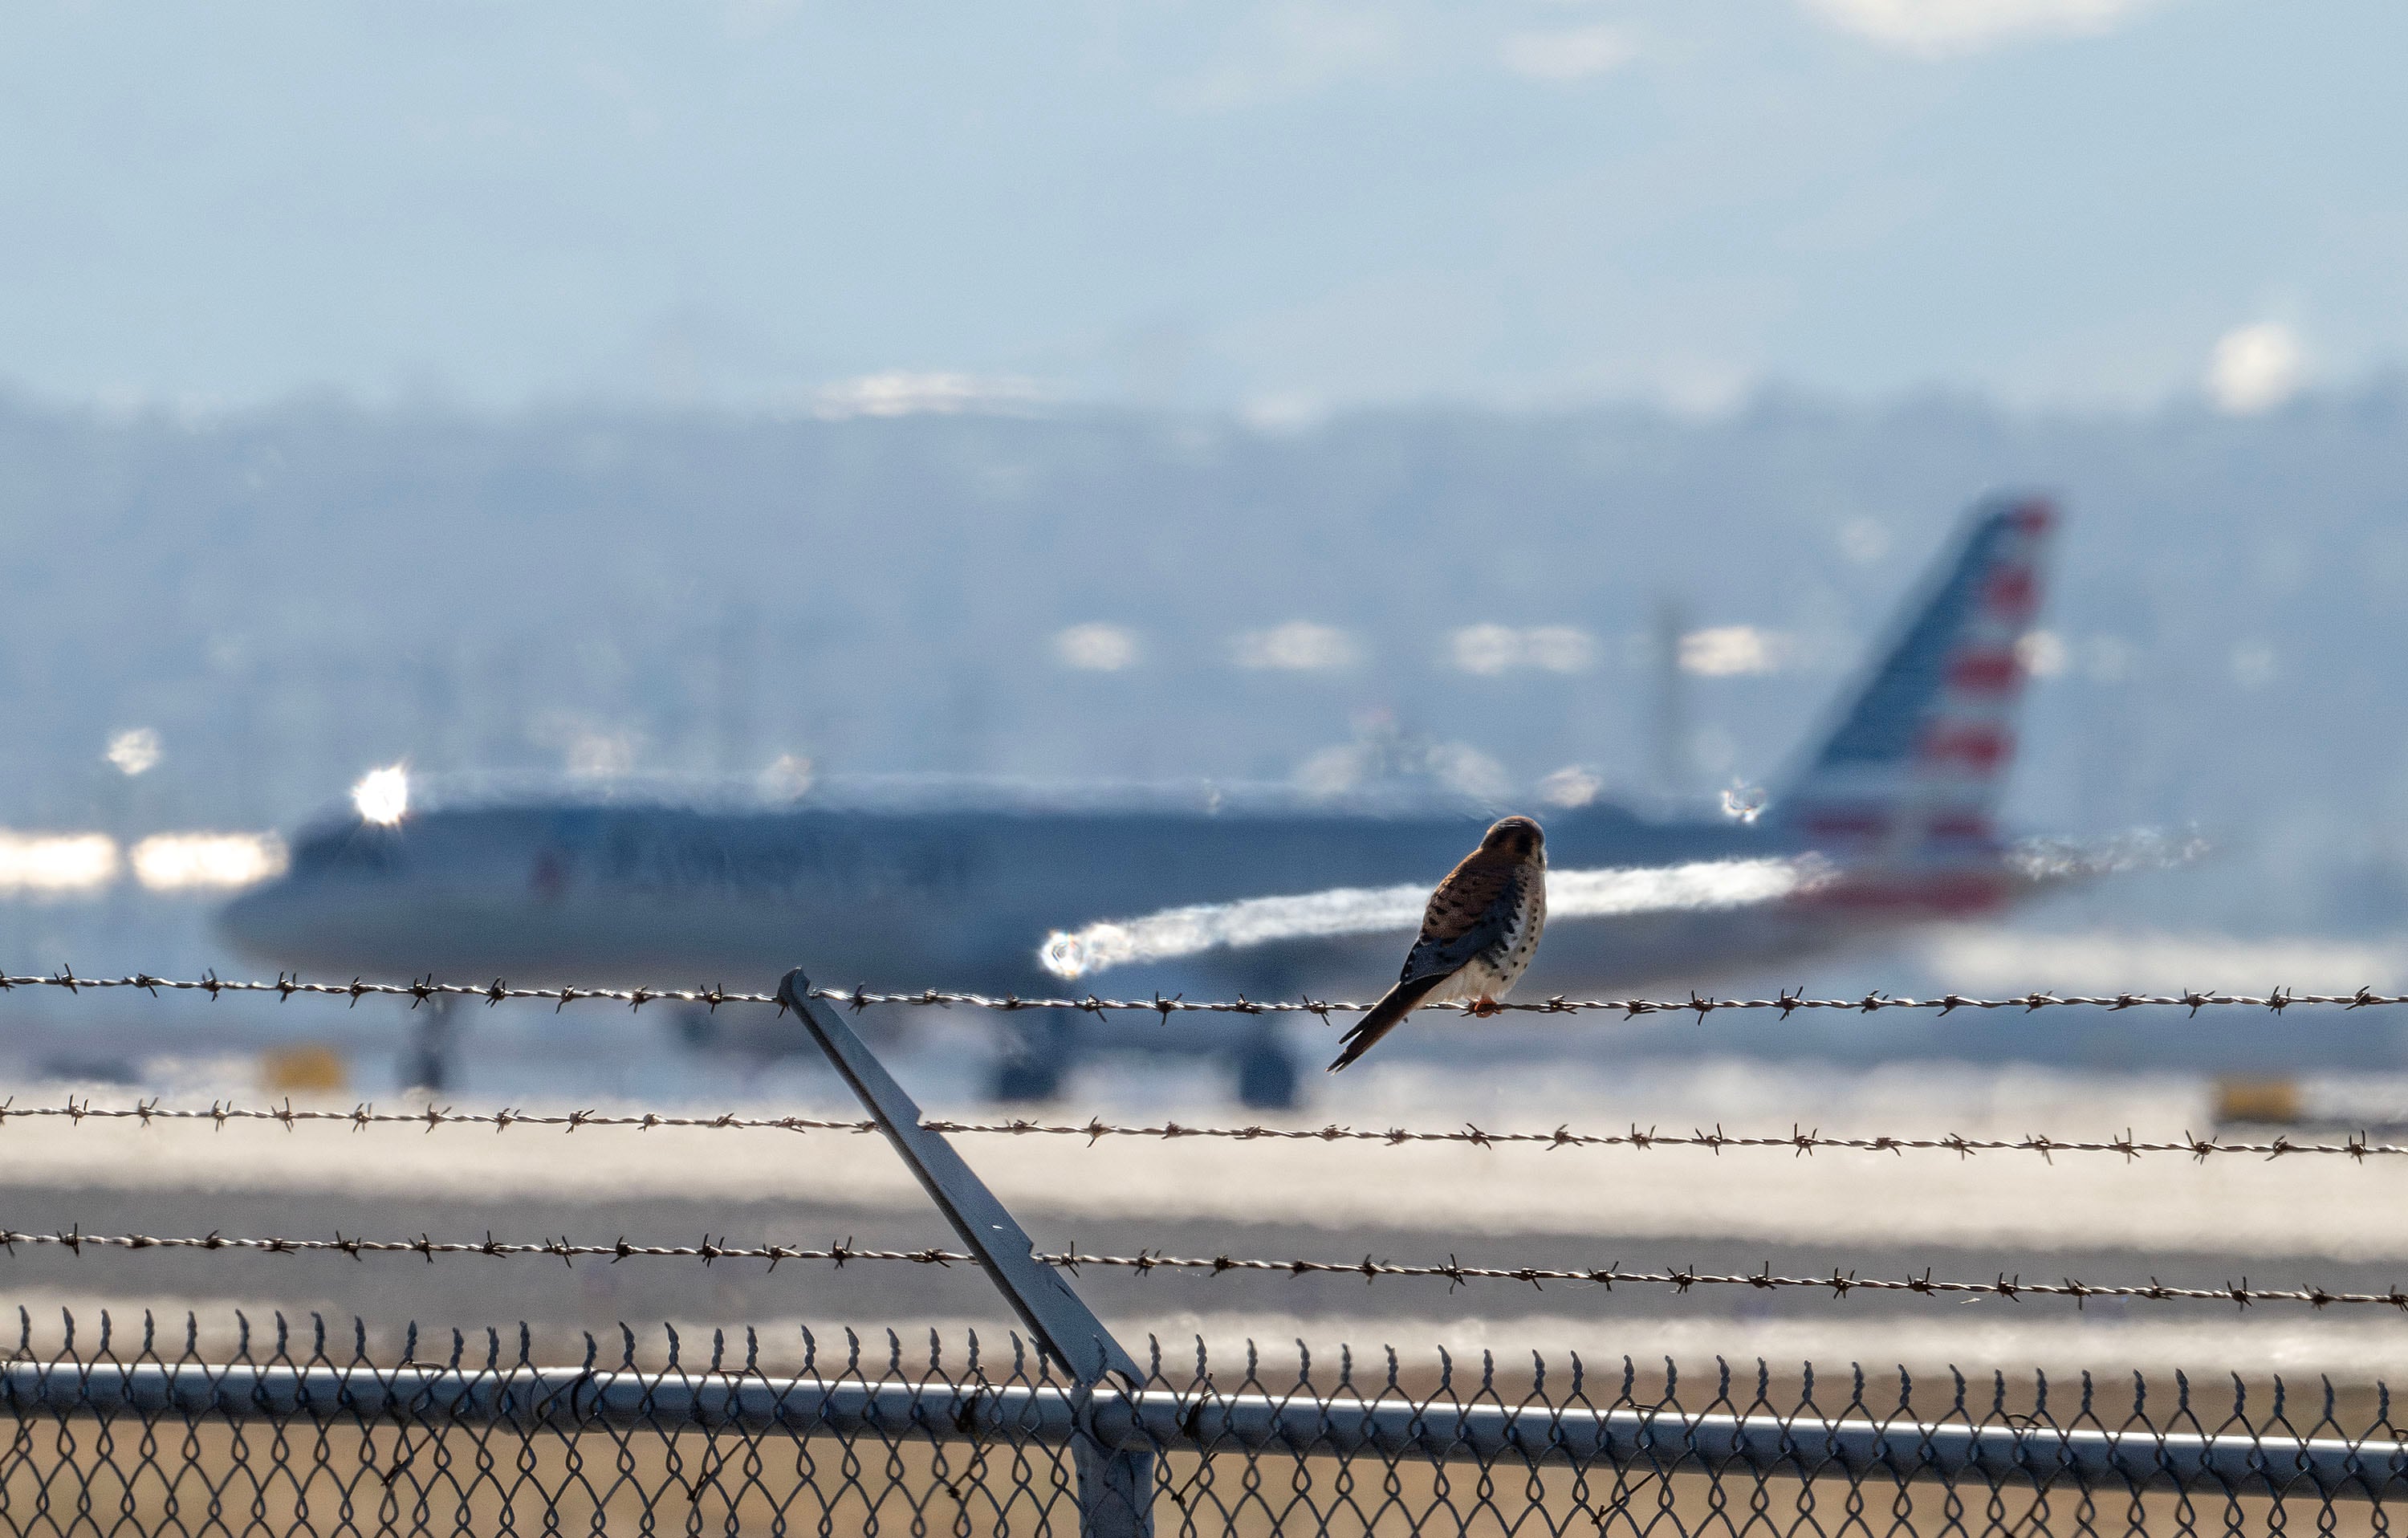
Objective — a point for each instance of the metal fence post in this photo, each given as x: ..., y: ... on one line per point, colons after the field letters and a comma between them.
x: 1115, y: 1487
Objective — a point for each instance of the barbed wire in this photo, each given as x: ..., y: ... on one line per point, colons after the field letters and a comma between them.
x: 2275, y: 1000
x: 1798, y: 1141
x: 1680, y: 1279
x: 418, y: 992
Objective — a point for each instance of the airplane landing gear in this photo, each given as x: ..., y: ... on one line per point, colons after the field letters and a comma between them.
x: 698, y: 1030
x: 1267, y: 1074
x: 1036, y: 1058
x: 1039, y: 1050
x: 427, y: 1062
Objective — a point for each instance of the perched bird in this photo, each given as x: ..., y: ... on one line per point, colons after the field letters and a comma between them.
x: 1478, y: 934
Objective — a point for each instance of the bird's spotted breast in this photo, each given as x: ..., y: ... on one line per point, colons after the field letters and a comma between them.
x: 1512, y: 955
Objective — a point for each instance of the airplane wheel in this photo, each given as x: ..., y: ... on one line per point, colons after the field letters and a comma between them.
x: 1036, y: 1058
x: 428, y: 1061
x: 1029, y: 1078
x: 1267, y: 1078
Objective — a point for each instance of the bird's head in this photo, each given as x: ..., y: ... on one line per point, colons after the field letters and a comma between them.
x: 1517, y: 837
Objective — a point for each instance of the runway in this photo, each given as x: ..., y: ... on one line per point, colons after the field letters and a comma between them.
x: 2287, y: 1222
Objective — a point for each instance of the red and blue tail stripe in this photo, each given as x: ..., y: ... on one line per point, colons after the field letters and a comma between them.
x: 1904, y: 789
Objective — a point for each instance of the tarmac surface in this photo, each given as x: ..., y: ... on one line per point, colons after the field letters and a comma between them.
x: 2292, y: 1221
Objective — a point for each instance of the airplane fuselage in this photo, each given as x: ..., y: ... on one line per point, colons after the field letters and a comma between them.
x: 956, y: 896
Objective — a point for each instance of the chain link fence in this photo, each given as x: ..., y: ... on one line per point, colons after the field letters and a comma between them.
x: 317, y: 1432
x: 1060, y: 1431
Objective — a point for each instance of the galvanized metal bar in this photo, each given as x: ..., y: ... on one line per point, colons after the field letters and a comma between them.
x: 1065, y: 1328
x: 568, y: 1399
x: 1115, y: 1487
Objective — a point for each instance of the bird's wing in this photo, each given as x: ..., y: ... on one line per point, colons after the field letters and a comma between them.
x: 1472, y: 909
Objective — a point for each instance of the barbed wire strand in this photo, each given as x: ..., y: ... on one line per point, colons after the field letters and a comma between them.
x: 1839, y: 1283
x: 2193, y: 1000
x: 1797, y: 1141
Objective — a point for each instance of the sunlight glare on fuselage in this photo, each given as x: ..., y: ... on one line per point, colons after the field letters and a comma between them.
x: 382, y: 795
x: 1696, y: 886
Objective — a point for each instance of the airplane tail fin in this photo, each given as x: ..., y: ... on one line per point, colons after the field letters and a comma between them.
x: 1912, y: 772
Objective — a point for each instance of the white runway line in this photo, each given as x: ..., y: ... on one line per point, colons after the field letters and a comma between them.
x: 2014, y: 961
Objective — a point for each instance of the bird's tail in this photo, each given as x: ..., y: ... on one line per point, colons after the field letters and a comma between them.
x: 1383, y: 1017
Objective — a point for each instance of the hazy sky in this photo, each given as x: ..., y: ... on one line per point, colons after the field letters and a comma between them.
x: 1274, y: 205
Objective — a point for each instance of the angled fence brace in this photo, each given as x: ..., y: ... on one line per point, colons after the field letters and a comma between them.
x: 1115, y: 1487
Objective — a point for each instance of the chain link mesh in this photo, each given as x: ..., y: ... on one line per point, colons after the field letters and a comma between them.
x: 314, y: 1430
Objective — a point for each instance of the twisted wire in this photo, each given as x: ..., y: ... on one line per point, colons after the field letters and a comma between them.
x: 1680, y: 1279
x: 1798, y: 1141
x: 2275, y: 1000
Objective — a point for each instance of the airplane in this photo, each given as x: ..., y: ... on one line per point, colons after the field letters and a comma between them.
x: 1888, y: 820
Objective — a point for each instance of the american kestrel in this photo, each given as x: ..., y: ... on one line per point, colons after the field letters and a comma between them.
x: 1478, y: 934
